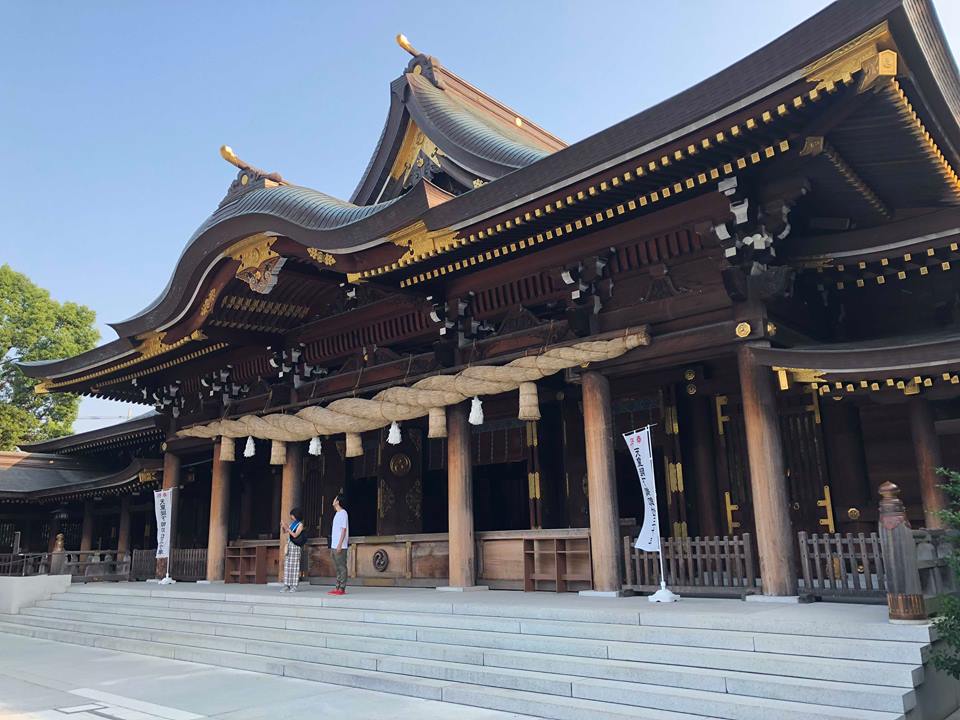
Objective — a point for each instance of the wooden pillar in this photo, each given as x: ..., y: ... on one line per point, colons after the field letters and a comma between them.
x: 86, y: 534
x: 291, y: 490
x: 123, y: 533
x: 696, y: 417
x: 926, y: 448
x: 460, y: 498
x: 171, y: 481
x: 775, y: 540
x: 219, y: 510
x: 601, y: 482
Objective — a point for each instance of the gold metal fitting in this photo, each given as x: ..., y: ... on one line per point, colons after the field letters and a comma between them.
x: 689, y: 374
x: 771, y: 328
x: 853, y: 513
x: 743, y: 330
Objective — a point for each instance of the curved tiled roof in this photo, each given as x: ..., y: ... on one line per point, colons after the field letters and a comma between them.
x: 309, y: 209
x: 466, y: 128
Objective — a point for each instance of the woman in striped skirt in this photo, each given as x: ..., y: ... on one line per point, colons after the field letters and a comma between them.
x: 291, y: 560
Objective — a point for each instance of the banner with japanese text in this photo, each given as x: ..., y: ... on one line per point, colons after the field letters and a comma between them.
x: 641, y: 451
x: 162, y: 500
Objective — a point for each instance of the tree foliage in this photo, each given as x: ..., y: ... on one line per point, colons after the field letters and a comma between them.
x: 948, y: 621
x: 34, y: 326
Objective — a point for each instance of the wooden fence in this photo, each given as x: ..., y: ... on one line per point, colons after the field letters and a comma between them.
x: 95, y: 565
x: 188, y: 564
x: 24, y: 564
x: 695, y: 565
x: 835, y: 566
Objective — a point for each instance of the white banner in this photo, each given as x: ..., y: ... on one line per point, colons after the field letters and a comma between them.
x: 162, y: 500
x: 641, y: 451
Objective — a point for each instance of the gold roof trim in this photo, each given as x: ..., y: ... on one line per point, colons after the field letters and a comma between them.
x: 842, y: 63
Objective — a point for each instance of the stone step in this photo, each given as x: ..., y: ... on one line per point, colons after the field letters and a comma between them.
x: 530, y: 703
x: 827, y: 620
x: 557, y: 678
x: 676, y: 659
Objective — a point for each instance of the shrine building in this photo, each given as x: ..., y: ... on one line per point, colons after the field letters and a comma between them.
x: 764, y: 268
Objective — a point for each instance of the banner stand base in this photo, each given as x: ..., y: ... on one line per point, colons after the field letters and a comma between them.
x: 167, y: 581
x: 663, y: 595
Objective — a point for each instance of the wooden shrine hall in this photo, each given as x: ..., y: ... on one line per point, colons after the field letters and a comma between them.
x: 763, y: 267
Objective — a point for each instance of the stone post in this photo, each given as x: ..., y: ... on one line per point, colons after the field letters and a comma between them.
x: 768, y: 478
x: 601, y: 483
x: 904, y: 593
x: 219, y: 510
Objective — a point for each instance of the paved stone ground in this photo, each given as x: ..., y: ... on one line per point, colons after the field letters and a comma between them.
x: 43, y: 680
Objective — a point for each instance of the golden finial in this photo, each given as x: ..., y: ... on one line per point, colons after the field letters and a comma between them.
x: 405, y: 44
x: 226, y: 152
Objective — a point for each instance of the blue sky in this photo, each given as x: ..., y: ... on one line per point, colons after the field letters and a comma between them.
x: 112, y: 113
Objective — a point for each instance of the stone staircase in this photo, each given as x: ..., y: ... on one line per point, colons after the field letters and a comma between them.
x: 616, y: 659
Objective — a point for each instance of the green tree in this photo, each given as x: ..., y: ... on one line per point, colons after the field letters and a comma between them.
x: 34, y: 326
x: 948, y: 620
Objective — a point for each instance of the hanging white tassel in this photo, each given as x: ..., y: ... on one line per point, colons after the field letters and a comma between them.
x: 315, y: 447
x: 393, y: 437
x: 476, y: 411
x: 249, y: 450
x: 227, y: 449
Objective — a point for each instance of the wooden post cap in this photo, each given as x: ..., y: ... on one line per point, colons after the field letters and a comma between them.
x: 892, y: 511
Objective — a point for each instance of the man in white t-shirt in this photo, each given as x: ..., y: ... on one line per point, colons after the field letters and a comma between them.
x: 339, y: 542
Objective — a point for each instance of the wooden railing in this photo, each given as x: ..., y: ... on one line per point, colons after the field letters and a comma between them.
x: 840, y: 566
x: 188, y: 564
x: 695, y: 565
x: 24, y: 564
x: 96, y: 565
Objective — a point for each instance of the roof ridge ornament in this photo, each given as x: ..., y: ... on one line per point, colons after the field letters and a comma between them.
x: 248, y: 178
x: 405, y: 44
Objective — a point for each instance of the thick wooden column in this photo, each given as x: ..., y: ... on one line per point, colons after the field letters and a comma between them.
x: 291, y: 488
x: 768, y: 481
x: 601, y: 482
x: 219, y: 510
x: 123, y: 533
x: 171, y: 481
x: 697, y: 420
x: 86, y: 533
x: 926, y: 448
x: 460, y: 498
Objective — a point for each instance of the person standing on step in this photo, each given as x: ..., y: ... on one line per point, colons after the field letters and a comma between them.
x: 339, y: 542
x: 291, y: 559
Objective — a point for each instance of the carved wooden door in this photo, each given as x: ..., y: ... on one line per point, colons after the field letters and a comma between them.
x: 400, y: 487
x: 733, y: 470
x: 805, y: 462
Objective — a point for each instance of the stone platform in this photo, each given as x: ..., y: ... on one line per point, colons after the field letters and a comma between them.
x: 540, y: 654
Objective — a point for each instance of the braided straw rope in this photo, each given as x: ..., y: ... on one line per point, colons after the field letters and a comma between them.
x: 356, y: 415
